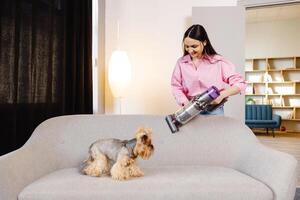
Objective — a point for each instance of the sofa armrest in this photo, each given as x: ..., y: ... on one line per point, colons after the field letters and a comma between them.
x: 276, y: 169
x: 277, y: 118
x: 21, y: 167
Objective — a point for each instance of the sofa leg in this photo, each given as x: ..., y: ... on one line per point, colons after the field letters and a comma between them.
x: 267, y: 131
x: 273, y: 132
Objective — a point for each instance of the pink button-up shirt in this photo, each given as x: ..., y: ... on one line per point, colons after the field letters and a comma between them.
x: 189, y: 80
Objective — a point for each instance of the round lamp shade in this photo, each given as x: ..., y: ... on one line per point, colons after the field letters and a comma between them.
x: 119, y: 73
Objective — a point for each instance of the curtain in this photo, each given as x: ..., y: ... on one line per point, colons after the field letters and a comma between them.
x: 45, y: 64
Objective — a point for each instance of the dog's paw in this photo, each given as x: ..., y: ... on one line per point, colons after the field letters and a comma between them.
x: 119, y: 173
x: 136, y: 173
x: 120, y: 177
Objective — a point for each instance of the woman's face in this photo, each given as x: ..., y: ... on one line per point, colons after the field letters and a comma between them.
x: 194, y: 47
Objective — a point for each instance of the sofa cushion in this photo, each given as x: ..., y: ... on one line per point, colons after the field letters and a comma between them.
x: 180, y: 182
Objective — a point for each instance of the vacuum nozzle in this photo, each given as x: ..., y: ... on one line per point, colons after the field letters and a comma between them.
x: 171, y: 123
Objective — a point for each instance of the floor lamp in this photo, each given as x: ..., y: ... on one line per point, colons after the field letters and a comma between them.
x: 119, y: 75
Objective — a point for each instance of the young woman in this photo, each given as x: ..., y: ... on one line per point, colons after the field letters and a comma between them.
x: 201, y: 67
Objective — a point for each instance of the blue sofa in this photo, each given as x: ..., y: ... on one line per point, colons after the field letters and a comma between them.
x: 261, y: 116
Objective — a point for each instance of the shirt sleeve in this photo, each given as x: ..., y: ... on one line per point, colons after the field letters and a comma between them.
x: 177, y: 87
x: 231, y: 77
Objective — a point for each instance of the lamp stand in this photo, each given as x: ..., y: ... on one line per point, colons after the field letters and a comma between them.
x: 118, y: 105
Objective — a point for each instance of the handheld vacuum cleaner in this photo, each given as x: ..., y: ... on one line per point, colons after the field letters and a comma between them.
x: 196, y: 105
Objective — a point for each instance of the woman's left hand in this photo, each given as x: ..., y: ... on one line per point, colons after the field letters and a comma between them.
x: 223, y: 95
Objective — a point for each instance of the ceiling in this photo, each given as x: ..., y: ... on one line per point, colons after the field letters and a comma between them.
x: 273, y: 13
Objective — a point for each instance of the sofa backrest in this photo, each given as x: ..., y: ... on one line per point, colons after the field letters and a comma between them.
x: 213, y: 140
x: 258, y: 112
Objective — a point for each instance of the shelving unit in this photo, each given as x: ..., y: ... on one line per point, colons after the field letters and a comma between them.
x: 276, y: 81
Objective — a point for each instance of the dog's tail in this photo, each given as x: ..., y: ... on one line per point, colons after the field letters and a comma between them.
x: 88, y: 160
x: 93, y: 154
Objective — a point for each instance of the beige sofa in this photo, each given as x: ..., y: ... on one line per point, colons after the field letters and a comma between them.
x: 210, y: 158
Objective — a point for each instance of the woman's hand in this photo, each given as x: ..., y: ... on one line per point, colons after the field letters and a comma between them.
x: 226, y: 93
x: 223, y: 95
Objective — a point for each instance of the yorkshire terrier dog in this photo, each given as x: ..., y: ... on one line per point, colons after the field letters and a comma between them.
x: 120, y: 154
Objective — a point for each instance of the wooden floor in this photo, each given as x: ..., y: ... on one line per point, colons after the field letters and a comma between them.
x: 287, y: 142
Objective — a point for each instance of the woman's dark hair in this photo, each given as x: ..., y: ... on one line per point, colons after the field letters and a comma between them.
x: 197, y: 32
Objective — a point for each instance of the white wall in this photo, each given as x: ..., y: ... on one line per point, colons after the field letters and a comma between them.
x: 151, y: 32
x: 273, y: 39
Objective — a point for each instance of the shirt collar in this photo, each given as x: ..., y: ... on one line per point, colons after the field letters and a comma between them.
x: 186, y: 59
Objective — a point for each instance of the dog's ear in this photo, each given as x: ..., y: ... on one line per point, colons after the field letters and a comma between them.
x: 145, y: 130
x: 143, y: 135
x: 144, y: 138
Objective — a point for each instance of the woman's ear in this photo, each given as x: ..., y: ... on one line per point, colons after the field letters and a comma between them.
x: 204, y: 43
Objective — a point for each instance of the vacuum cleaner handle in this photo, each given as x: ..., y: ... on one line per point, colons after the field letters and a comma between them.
x: 213, y: 107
